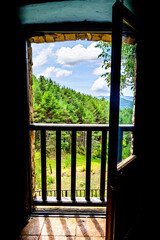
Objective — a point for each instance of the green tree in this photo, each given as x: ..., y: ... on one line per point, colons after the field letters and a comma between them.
x: 128, y: 55
x: 125, y: 116
x: 50, y: 108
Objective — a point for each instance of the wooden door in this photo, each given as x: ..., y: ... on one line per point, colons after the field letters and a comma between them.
x: 120, y: 174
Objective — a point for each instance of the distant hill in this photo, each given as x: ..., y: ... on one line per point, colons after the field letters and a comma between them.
x: 125, y: 101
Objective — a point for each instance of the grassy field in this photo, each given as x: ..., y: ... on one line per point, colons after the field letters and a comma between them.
x: 66, y: 171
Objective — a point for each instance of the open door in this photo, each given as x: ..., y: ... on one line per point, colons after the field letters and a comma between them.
x: 121, y: 205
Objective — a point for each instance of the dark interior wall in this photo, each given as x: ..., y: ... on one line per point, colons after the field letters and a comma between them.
x: 16, y: 119
x: 146, y: 122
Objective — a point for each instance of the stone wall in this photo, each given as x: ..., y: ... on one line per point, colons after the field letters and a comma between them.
x: 134, y: 100
x: 60, y: 37
x: 32, y: 135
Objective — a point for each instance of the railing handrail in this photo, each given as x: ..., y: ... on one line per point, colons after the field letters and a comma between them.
x: 66, y: 126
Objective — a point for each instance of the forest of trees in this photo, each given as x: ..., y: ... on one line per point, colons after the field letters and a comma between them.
x: 55, y: 104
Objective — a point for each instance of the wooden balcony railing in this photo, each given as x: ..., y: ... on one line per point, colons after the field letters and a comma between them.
x: 88, y: 200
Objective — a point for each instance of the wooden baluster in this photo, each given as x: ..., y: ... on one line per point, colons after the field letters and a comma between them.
x: 88, y: 165
x: 73, y: 165
x: 43, y: 164
x: 103, y: 165
x: 58, y: 164
x: 120, y: 141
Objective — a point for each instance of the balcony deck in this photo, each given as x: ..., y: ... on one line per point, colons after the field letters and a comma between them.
x: 64, y: 228
x: 67, y: 201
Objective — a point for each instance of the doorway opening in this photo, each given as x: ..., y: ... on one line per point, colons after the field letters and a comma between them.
x: 69, y: 119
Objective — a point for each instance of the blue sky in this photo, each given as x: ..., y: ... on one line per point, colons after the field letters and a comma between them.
x: 74, y: 64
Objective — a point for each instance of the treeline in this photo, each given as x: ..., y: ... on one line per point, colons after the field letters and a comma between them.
x: 55, y: 104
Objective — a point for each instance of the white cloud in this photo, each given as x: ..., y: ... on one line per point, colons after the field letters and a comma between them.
x: 127, y: 91
x: 55, y: 72
x: 100, y: 87
x: 78, y: 54
x: 42, y: 56
x: 101, y: 70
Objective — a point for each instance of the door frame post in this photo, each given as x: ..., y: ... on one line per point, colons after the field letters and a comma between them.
x: 114, y: 117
